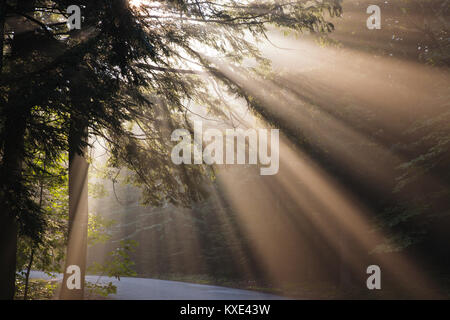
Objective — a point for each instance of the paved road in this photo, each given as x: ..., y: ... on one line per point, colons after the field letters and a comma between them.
x: 152, y: 289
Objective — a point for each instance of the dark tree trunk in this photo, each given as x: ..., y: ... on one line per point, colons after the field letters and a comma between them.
x: 33, y: 246
x: 2, y: 30
x: 8, y: 247
x: 15, y: 113
x: 10, y: 181
x: 8, y: 237
x: 27, y: 275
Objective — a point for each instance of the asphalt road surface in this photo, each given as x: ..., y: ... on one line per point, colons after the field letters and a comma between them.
x: 153, y: 289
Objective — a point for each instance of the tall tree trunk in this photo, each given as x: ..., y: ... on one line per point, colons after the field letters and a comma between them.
x: 10, y: 181
x: 8, y: 238
x: 2, y: 30
x: 16, y: 113
x: 33, y: 245
x: 78, y: 218
x: 8, y: 248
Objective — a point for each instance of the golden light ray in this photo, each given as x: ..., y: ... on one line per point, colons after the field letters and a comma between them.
x: 330, y: 210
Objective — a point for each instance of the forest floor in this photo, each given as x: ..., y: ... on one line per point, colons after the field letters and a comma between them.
x: 200, y: 287
x: 308, y: 290
x: 45, y: 286
x: 288, y: 290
